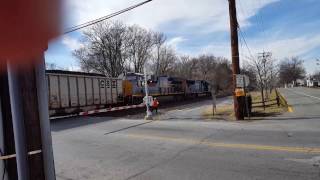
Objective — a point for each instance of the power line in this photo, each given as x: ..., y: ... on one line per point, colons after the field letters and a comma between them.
x: 243, y: 12
x: 241, y: 53
x: 242, y: 33
x: 243, y: 45
x: 241, y: 49
x: 261, y: 21
x: 244, y: 40
x: 258, y: 18
x: 75, y: 28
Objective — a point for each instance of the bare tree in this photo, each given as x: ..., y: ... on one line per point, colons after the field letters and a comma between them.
x: 184, y: 67
x: 139, y: 48
x: 164, y: 60
x: 205, y: 66
x: 273, y: 77
x: 222, y: 76
x: 291, y: 69
x: 264, y: 69
x: 258, y: 68
x: 250, y: 72
x: 112, y: 48
x: 86, y: 63
x: 159, y: 40
x: 104, y: 49
x: 167, y: 58
x: 215, y: 70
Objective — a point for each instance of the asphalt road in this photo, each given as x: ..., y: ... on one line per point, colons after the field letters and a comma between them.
x: 304, y: 101
x: 181, y: 144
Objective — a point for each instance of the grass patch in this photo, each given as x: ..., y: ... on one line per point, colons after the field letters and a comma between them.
x: 226, y: 112
x: 271, y: 106
x: 223, y: 112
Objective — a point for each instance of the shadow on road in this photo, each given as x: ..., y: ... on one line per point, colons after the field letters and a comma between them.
x: 264, y: 114
x: 73, y: 122
x: 164, y: 107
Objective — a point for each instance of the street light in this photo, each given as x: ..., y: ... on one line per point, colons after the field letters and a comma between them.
x: 147, y: 101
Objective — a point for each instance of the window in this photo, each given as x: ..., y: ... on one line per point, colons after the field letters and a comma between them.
x: 114, y: 85
x: 108, y: 84
x: 102, y: 84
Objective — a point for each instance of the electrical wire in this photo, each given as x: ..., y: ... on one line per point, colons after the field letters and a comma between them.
x: 89, y: 23
x: 261, y: 21
x: 243, y: 11
x: 258, y: 18
x: 245, y: 42
x: 242, y: 34
x: 244, y: 55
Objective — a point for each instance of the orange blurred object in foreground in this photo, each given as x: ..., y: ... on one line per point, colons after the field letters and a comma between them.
x: 26, y: 26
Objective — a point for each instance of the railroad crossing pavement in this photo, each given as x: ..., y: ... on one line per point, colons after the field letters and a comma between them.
x: 186, y: 148
x: 191, y: 112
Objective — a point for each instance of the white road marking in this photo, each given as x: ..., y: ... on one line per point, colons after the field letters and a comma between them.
x: 301, y: 93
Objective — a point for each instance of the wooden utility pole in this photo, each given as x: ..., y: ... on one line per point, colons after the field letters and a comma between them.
x: 238, y: 104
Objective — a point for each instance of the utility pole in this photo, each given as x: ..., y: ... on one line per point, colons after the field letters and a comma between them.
x: 147, y: 100
x: 6, y: 117
x: 238, y: 104
x: 24, y: 110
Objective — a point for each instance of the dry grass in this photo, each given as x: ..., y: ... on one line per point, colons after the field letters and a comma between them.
x: 225, y: 112
x: 271, y: 107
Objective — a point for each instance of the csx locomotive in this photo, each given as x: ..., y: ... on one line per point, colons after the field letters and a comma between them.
x: 73, y: 92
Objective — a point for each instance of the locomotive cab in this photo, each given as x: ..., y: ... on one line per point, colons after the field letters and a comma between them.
x: 133, y: 86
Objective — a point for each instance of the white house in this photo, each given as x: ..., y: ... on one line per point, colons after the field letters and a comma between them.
x: 312, y: 82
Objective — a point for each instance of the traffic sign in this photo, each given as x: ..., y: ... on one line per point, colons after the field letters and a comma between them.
x: 242, y: 80
x: 239, y: 92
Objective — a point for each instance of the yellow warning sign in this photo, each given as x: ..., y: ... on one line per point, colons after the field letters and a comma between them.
x: 239, y: 92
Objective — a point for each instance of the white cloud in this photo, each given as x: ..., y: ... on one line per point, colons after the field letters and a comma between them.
x: 176, y: 16
x: 280, y: 47
x: 185, y: 18
x: 71, y: 43
x: 294, y: 47
x: 174, y: 42
x: 219, y: 49
x: 285, y: 47
x: 211, y: 15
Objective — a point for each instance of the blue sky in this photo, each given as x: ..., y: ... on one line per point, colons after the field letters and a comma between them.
x: 284, y: 27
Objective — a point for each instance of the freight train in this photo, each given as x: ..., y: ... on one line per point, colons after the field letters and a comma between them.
x: 73, y: 92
